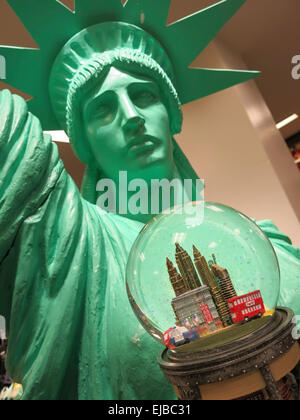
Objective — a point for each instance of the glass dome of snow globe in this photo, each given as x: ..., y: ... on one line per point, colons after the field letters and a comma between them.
x: 202, y: 272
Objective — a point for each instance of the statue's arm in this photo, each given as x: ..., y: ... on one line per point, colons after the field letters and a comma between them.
x: 45, y: 237
x: 29, y: 167
x: 289, y: 263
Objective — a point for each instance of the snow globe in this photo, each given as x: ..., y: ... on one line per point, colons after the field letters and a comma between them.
x: 202, y: 274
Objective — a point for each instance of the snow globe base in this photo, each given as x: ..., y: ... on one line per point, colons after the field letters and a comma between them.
x: 256, y: 366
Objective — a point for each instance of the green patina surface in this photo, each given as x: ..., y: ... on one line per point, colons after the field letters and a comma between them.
x: 72, y: 332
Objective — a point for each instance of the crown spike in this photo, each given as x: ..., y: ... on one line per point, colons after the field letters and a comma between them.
x: 69, y: 4
x: 91, y: 12
x: 178, y: 39
x: 151, y: 15
x: 204, y: 82
x: 29, y: 58
x: 208, y: 22
x: 39, y: 16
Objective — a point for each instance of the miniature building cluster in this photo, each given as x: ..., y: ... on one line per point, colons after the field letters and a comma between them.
x: 206, y: 300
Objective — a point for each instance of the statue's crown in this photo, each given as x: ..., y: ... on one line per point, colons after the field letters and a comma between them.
x: 52, y: 25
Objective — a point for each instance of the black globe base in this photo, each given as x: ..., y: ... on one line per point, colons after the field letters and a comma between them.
x: 257, y: 366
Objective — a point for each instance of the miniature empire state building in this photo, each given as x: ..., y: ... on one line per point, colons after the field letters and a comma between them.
x: 225, y: 283
x: 193, y: 305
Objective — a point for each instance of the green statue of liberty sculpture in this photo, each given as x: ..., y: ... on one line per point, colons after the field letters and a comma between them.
x: 113, y: 76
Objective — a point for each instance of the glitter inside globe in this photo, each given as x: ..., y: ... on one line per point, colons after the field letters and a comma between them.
x: 202, y: 270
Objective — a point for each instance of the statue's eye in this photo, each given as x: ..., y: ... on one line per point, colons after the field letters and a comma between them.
x: 104, y: 110
x: 105, y: 113
x: 144, y: 98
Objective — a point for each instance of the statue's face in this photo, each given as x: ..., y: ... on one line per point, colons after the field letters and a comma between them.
x: 127, y: 126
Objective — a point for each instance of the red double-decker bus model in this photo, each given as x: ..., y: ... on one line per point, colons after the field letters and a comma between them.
x: 243, y: 308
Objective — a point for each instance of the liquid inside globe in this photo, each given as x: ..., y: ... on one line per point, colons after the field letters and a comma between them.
x: 202, y: 272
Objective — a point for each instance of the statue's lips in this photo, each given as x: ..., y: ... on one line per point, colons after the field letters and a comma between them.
x: 144, y: 144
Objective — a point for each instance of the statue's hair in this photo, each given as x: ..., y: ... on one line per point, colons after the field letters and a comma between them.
x: 93, y: 73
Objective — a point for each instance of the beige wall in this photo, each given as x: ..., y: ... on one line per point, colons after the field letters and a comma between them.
x: 244, y: 160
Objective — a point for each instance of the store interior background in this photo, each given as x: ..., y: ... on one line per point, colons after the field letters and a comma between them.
x: 231, y: 138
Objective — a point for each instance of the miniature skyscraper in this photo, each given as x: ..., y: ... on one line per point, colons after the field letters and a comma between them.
x: 186, y: 268
x: 203, y: 269
x: 225, y: 284
x: 175, y: 279
x: 208, y: 279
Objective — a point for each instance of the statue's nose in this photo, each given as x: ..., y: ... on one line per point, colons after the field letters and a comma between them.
x: 134, y: 123
x: 134, y: 126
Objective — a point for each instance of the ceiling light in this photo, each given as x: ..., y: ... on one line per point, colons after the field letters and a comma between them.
x: 287, y: 121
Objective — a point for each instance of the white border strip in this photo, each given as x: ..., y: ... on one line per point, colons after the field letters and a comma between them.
x: 58, y: 136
